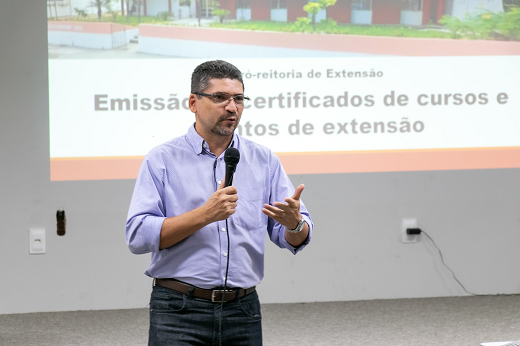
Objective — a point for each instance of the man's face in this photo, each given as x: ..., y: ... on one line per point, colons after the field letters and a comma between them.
x: 214, y: 119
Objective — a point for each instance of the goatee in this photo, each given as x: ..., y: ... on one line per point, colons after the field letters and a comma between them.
x: 221, y: 130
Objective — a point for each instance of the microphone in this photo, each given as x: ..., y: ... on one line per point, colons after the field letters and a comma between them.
x: 231, y: 158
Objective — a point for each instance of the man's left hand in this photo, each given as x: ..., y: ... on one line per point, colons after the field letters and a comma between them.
x: 286, y: 214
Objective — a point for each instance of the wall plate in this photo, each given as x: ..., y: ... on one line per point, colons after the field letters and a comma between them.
x: 408, y: 238
x: 37, y: 243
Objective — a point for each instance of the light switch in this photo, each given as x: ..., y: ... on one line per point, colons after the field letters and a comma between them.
x: 37, y: 240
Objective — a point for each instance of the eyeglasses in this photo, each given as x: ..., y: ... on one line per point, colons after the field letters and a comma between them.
x: 225, y: 98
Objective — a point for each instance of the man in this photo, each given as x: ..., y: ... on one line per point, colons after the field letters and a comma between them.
x: 182, y: 213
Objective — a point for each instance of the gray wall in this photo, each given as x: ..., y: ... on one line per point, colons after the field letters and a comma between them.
x: 474, y: 216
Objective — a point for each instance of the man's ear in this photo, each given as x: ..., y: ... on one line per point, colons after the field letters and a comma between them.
x: 192, y: 103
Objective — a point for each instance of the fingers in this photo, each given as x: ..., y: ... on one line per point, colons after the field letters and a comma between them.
x: 280, y: 210
x: 221, y: 184
x: 284, y: 207
x: 283, y: 214
x: 298, y: 192
x: 272, y: 212
x: 229, y: 205
x: 273, y: 209
x: 232, y: 207
x: 293, y: 203
x: 230, y: 190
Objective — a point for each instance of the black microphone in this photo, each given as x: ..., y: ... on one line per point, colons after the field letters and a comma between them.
x: 231, y: 157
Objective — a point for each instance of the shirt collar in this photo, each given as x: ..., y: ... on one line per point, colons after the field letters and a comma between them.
x: 199, y: 144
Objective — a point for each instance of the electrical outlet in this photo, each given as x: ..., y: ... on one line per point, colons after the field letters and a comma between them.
x: 37, y: 240
x: 408, y: 238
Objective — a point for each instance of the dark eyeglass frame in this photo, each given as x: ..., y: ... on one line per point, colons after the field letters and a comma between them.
x: 228, y: 99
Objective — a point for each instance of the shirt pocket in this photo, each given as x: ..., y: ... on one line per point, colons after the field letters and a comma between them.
x: 249, y: 210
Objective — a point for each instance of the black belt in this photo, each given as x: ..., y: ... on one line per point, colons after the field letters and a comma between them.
x: 215, y: 296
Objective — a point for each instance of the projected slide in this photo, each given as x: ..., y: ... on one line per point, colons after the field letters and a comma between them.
x: 324, y: 102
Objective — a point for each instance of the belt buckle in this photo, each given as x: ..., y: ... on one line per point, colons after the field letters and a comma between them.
x: 218, y: 291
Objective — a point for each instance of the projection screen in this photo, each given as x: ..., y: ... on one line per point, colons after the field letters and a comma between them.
x: 324, y: 102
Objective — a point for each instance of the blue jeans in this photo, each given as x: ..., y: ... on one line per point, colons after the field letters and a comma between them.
x: 177, y: 319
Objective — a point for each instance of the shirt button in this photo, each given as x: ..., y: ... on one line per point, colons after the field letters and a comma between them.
x: 223, y: 229
x: 219, y: 182
x: 225, y: 254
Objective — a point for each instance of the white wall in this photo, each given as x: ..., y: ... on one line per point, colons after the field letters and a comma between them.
x: 474, y: 216
x: 279, y: 14
x: 156, y: 6
x: 462, y: 8
x: 361, y: 17
x: 243, y: 14
x: 411, y: 17
x: 85, y: 40
x: 192, y: 49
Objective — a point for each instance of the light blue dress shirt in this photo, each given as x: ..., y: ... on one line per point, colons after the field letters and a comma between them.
x: 180, y: 175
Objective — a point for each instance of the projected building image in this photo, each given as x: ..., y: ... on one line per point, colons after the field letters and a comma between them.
x: 325, y: 88
x: 159, y: 28
x: 407, y: 12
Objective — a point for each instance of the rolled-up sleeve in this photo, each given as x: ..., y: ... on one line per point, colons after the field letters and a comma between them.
x: 281, y: 188
x: 146, y: 213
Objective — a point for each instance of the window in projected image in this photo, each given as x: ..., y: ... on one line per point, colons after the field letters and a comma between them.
x: 362, y: 5
x: 368, y: 86
x: 412, y: 5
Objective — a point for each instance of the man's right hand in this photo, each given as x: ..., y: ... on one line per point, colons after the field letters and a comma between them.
x: 222, y: 203
x: 219, y: 206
